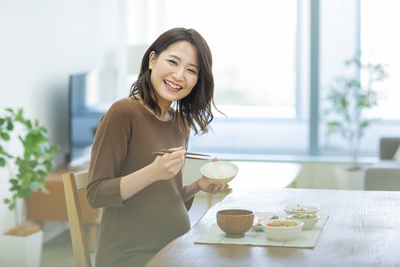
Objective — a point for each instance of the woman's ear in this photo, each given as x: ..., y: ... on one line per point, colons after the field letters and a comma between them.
x: 152, y: 60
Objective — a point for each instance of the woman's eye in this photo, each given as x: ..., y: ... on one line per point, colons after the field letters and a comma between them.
x: 192, y: 71
x: 172, y: 62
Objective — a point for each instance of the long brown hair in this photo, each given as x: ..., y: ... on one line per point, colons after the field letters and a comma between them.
x: 195, y: 109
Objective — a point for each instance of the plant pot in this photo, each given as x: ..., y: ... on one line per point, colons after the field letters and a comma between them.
x: 17, y: 250
x: 349, y: 179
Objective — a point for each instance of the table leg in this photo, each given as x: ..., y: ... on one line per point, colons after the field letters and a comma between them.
x: 209, y: 200
x: 92, y: 233
x: 210, y: 196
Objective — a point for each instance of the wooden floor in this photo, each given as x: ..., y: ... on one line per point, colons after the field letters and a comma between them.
x: 58, y: 251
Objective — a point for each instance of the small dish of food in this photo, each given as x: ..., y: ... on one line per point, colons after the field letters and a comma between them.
x: 282, y: 230
x: 219, y: 172
x: 309, y: 220
x: 258, y: 220
x: 300, y: 209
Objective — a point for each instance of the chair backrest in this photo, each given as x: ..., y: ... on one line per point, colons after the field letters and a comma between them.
x: 382, y: 179
x: 72, y: 184
x: 388, y: 146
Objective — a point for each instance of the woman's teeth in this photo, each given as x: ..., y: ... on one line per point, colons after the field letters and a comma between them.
x: 172, y: 85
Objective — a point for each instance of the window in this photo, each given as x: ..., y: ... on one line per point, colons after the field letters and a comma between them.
x: 261, y: 51
x: 367, y: 26
x: 254, y: 46
x: 380, y: 44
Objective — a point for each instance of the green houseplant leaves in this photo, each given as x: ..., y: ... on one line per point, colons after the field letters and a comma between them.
x: 349, y: 100
x: 37, y: 159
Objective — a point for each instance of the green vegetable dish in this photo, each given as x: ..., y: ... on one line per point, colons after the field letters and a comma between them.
x: 305, y: 216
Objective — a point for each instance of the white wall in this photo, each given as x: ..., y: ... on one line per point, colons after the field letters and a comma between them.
x: 41, y: 43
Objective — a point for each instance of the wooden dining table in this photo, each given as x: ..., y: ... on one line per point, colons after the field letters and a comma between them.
x: 363, y: 229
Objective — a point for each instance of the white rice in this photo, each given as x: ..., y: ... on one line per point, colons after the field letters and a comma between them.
x: 221, y: 171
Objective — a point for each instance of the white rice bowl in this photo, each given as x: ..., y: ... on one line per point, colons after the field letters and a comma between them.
x: 219, y: 172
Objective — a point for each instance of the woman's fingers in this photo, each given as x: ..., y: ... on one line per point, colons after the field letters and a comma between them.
x: 176, y: 158
x: 169, y: 164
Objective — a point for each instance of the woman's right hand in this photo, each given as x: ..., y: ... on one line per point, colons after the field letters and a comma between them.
x: 162, y: 168
x: 169, y: 164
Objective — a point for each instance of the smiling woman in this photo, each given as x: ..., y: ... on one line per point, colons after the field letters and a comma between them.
x: 125, y: 178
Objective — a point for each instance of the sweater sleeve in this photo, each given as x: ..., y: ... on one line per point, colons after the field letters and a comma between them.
x: 108, y: 153
x: 188, y: 204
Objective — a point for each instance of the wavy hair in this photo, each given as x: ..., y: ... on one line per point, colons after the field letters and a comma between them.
x: 194, y: 110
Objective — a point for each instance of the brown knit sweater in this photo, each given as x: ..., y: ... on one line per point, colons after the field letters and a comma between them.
x: 133, y: 231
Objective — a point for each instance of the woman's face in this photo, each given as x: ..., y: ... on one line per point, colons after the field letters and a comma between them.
x: 175, y: 72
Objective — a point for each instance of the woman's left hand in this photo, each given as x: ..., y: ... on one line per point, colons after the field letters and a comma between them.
x: 209, y: 187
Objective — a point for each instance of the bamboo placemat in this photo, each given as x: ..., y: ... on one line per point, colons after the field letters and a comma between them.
x: 306, y: 239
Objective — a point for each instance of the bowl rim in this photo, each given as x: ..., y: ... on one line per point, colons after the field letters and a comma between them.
x: 308, y: 220
x: 239, y: 215
x: 236, y: 167
x: 314, y: 208
x: 299, y: 224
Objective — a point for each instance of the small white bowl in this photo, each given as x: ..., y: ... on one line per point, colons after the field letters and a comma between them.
x: 218, y: 166
x: 308, y: 223
x: 301, y: 209
x: 282, y: 234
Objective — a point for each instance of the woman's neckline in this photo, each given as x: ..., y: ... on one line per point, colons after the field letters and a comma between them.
x: 170, y: 110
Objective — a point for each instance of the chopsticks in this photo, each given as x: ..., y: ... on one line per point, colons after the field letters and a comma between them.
x: 164, y: 151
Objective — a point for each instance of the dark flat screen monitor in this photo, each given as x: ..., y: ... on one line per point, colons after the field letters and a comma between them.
x: 90, y: 96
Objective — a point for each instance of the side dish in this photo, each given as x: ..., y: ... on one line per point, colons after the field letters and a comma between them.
x: 259, y: 221
x: 279, y: 223
x: 304, y: 216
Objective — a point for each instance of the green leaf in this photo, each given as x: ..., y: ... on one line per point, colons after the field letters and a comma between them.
x: 54, y: 149
x: 13, y: 181
x: 2, y: 162
x: 6, y: 201
x: 33, y: 187
x: 2, y: 121
x: 5, y: 136
x: 12, y: 206
x: 27, y: 177
x: 14, y: 188
x: 10, y: 125
x: 25, y: 193
x: 42, y: 173
x: 28, y: 124
x: 48, y: 165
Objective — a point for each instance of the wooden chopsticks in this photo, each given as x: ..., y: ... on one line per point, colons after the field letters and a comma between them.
x: 164, y: 151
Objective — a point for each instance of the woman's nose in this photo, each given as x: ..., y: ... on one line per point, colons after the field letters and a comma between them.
x: 178, y: 74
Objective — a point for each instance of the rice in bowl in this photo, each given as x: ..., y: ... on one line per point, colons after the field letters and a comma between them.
x: 219, y: 172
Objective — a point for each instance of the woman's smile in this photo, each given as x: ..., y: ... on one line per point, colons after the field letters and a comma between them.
x: 172, y: 86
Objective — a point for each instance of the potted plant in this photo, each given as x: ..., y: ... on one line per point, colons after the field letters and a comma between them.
x: 349, y: 100
x: 27, y: 173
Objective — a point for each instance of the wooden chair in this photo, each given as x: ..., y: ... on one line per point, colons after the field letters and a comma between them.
x: 72, y: 184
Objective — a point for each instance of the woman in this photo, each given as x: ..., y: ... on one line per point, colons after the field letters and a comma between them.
x: 143, y: 198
